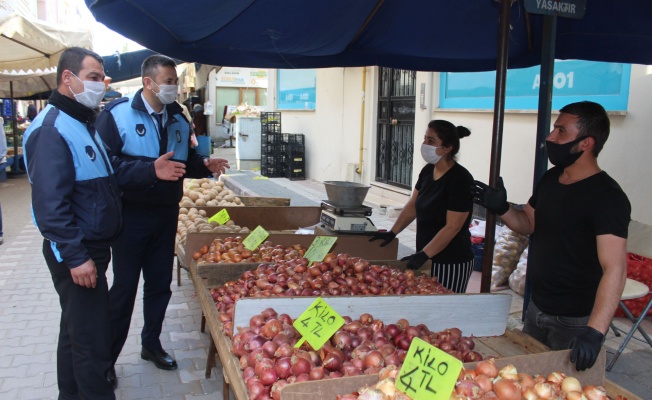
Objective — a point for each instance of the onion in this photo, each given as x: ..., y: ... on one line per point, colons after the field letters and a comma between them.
x: 283, y: 367
x: 392, y: 330
x: 529, y: 394
x: 255, y: 389
x: 342, y: 340
x: 508, y: 372
x: 573, y: 395
x: 446, y: 346
x: 595, y: 392
x: 487, y: 368
x: 467, y: 341
x: 263, y: 365
x: 366, y: 319
x: 543, y: 390
x: 302, y: 378
x: 333, y: 362
x: 484, y: 382
x: 257, y: 321
x: 316, y: 374
x: 402, y: 342
x: 269, y: 348
x: 412, y: 331
x: 556, y: 377
x: 471, y: 356
x: 526, y: 381
x: 352, y: 327
x: 374, y: 359
x: 255, y: 356
x: 300, y: 366
x: 268, y: 377
x: 507, y: 389
x: 276, y: 389
x: 469, y: 389
x: 255, y: 342
x: 248, y: 373
x: 392, y: 359
x: 571, y: 384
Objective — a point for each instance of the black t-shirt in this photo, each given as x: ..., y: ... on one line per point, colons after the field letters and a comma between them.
x: 435, y: 198
x: 563, y: 266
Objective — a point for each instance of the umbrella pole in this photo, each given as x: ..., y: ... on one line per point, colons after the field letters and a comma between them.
x: 546, y: 75
x: 497, y: 138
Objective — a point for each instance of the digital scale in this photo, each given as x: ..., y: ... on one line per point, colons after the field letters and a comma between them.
x: 346, y: 219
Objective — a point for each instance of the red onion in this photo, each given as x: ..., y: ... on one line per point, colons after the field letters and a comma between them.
x: 342, y: 340
x: 402, y: 323
x: 255, y: 389
x: 352, y: 327
x: 402, y: 341
x: 366, y: 319
x: 271, y: 328
x: 300, y: 365
x: 254, y: 343
x: 351, y: 370
x: 268, y: 377
x: 248, y: 373
x: 269, y: 348
x: 283, y: 367
x: 316, y: 374
x: 468, y: 389
x: 276, y: 389
x: 263, y: 365
x: 374, y: 359
x: 284, y: 350
x: 255, y: 356
x: 471, y: 356
x: 392, y: 330
x: 257, y: 321
x: 364, y: 333
x: 333, y: 362
x: 392, y: 359
x: 302, y: 378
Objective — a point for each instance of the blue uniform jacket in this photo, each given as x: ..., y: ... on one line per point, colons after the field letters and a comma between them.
x: 134, y: 144
x: 75, y: 197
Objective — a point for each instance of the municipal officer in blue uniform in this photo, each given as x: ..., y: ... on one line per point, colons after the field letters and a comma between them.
x: 137, y: 130
x: 76, y: 206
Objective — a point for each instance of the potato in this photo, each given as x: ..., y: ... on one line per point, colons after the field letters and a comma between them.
x: 230, y: 223
x: 193, y: 196
x: 183, y: 210
x: 200, y: 202
x: 211, y: 203
x: 205, y: 185
x: 237, y: 200
x: 202, y: 213
x: 187, y: 203
x: 220, y: 183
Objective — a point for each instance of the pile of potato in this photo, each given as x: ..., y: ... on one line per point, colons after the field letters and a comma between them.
x: 207, y: 192
x: 193, y: 220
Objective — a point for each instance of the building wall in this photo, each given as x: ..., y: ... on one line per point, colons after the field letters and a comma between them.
x: 333, y: 133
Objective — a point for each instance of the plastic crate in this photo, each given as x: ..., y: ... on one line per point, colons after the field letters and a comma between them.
x: 273, y: 172
x: 270, y: 118
x: 296, y: 174
x: 273, y: 138
x: 272, y: 149
x: 274, y: 160
x: 296, y: 139
x: 270, y: 128
x: 296, y: 151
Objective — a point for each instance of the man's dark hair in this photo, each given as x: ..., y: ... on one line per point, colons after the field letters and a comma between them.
x: 592, y: 120
x: 150, y: 66
x: 72, y: 59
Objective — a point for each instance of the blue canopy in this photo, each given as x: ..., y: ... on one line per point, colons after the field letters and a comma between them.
x: 433, y: 35
x: 124, y: 66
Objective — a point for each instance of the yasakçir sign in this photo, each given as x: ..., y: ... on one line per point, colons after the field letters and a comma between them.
x: 561, y: 8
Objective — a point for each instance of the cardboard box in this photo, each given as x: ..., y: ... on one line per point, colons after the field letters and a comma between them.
x: 542, y: 363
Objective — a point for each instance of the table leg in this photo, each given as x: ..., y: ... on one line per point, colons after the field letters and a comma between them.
x: 203, y: 323
x: 178, y: 271
x: 225, y: 388
x: 210, y: 362
x: 631, y: 332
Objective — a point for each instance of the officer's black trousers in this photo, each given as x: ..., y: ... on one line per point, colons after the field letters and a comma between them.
x: 83, y: 353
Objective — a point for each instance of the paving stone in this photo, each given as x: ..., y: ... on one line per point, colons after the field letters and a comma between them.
x: 149, y: 392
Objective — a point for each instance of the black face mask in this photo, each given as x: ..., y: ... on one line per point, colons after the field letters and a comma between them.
x: 560, y: 154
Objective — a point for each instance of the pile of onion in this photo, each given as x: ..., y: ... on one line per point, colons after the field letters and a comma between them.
x: 231, y: 250
x: 486, y: 382
x: 336, y: 275
x: 269, y: 360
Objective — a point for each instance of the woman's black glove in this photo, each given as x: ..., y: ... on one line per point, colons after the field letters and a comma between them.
x: 494, y: 200
x: 416, y: 260
x: 385, y: 236
x: 586, y: 347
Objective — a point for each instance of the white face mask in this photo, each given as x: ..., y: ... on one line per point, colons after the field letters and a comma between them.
x: 92, y: 95
x: 429, y: 153
x: 167, y: 93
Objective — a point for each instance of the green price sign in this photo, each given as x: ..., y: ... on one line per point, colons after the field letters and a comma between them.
x: 427, y: 372
x: 221, y: 217
x: 320, y: 247
x: 317, y: 324
x: 255, y: 238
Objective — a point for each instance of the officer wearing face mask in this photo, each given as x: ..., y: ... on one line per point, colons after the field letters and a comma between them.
x: 137, y: 130
x: 442, y: 205
x: 76, y: 207
x: 578, y: 216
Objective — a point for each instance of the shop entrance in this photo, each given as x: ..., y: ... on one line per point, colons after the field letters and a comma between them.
x: 395, y: 140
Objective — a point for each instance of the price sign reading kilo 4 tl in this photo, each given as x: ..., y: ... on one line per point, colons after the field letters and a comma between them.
x: 221, y: 217
x: 320, y: 247
x: 427, y: 372
x: 318, y: 323
x: 255, y: 238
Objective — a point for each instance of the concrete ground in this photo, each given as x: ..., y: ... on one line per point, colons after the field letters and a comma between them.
x: 29, y: 310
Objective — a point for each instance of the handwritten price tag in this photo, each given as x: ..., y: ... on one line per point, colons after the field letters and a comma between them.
x: 320, y: 247
x: 255, y: 238
x: 221, y: 217
x: 317, y: 324
x: 427, y: 372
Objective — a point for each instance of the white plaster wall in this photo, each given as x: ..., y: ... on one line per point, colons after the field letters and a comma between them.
x: 332, y: 135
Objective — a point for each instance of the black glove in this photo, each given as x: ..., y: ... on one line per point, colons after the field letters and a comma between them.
x: 385, y: 236
x: 494, y: 200
x: 416, y: 260
x: 586, y: 347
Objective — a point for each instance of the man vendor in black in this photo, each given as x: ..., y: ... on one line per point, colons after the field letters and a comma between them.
x: 579, y: 218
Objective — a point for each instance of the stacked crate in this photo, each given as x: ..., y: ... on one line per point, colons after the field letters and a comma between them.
x: 273, y: 152
x: 282, y: 155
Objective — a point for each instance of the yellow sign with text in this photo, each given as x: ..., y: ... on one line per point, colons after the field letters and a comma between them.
x: 255, y: 238
x: 320, y: 247
x: 427, y: 372
x: 221, y: 217
x: 317, y: 324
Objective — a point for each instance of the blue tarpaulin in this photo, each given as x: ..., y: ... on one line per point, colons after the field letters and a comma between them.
x: 433, y: 35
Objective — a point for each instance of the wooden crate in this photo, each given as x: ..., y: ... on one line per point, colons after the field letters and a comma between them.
x: 272, y: 218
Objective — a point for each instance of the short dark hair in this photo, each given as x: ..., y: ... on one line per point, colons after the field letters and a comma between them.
x: 150, y: 66
x: 449, y: 134
x: 592, y: 120
x: 72, y: 59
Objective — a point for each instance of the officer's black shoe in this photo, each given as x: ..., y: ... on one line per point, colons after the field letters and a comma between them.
x: 160, y: 358
x: 112, y: 378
